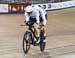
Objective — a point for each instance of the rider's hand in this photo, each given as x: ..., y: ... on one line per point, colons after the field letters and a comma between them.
x: 26, y: 22
x: 44, y: 23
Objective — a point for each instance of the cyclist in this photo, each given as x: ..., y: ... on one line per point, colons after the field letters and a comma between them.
x: 36, y: 16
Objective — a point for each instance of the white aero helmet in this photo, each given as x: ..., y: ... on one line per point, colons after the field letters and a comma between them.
x: 28, y: 9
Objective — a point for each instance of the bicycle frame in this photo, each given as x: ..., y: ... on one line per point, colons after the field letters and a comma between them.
x: 30, y: 28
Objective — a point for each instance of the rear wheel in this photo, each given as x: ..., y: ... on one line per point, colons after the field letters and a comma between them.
x: 27, y: 39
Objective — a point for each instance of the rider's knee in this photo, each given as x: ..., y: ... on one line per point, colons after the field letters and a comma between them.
x: 36, y: 26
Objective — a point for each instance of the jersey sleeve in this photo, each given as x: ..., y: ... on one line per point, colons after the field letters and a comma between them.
x: 26, y: 16
x: 43, y: 13
x: 37, y: 17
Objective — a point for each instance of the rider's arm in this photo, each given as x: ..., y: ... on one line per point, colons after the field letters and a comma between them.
x: 43, y: 13
x: 26, y: 17
x: 37, y: 17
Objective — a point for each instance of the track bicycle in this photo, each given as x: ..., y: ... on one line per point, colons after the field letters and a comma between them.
x: 28, y: 40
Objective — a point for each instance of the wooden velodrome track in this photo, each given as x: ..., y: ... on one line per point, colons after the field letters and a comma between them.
x: 60, y: 35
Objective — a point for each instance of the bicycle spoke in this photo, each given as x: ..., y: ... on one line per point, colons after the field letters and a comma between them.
x: 26, y: 42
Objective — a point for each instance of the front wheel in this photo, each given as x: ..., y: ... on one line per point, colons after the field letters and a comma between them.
x: 42, y: 46
x: 42, y: 43
x: 27, y: 41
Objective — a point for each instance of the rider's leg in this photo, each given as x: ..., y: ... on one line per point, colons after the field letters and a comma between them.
x: 37, y: 33
x: 44, y: 30
x: 44, y: 27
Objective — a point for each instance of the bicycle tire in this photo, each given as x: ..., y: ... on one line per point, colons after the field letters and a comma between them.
x: 26, y: 42
x: 42, y: 43
x: 42, y: 46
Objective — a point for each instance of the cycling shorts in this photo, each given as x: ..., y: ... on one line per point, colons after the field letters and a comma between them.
x: 33, y: 20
